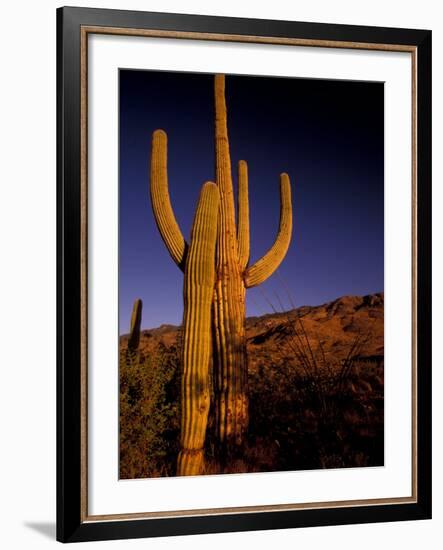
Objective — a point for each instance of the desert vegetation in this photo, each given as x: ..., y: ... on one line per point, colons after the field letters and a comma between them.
x: 316, y: 389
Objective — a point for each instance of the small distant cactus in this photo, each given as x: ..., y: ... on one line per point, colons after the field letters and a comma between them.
x: 233, y: 276
x: 134, y: 332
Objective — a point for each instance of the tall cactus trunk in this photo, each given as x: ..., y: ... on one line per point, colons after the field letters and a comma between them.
x: 197, y: 346
x: 230, y: 367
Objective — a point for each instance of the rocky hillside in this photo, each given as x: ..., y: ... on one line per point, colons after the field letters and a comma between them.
x: 309, y: 405
x: 329, y: 330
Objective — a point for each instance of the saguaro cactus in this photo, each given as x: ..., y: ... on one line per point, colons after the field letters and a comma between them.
x: 197, y: 350
x: 134, y: 332
x: 229, y: 297
x: 233, y: 275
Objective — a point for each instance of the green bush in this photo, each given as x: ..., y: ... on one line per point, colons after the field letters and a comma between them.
x: 149, y: 413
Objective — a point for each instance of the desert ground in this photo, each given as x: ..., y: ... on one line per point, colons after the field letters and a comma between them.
x: 316, y: 391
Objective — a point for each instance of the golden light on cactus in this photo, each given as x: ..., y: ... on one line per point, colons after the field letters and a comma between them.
x: 161, y: 203
x: 197, y: 350
x: 266, y: 266
x: 243, y: 216
x: 232, y: 276
x: 230, y: 366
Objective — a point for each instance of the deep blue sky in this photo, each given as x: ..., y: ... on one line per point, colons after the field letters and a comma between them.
x: 327, y: 135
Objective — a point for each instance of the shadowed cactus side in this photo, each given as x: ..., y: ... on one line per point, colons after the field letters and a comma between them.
x: 233, y: 275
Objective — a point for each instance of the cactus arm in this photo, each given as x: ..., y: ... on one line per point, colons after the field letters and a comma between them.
x: 136, y: 319
x: 161, y: 202
x: 198, y: 293
x: 266, y: 266
x: 243, y: 215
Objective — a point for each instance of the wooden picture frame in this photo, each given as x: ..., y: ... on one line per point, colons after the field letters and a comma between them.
x: 74, y: 25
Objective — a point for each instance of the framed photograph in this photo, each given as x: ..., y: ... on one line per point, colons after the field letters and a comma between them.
x: 244, y: 274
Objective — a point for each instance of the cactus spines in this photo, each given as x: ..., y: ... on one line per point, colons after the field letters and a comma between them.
x: 198, y: 292
x: 161, y: 203
x: 136, y: 319
x: 265, y: 267
x: 232, y: 276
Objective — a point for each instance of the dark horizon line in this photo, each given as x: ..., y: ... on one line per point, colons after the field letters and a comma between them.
x: 272, y: 312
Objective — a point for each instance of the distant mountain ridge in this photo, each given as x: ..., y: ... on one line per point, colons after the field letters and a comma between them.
x: 334, y: 326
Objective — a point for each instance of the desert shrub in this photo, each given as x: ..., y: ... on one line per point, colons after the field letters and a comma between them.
x: 317, y: 411
x: 149, y: 413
